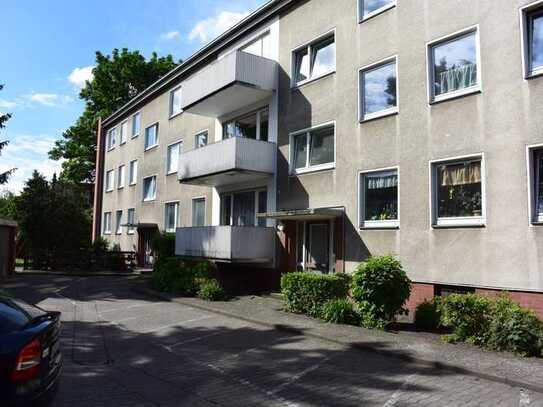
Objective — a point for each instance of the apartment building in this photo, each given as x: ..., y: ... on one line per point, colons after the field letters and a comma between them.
x: 310, y: 136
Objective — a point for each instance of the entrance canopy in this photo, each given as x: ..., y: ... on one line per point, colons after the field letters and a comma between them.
x: 304, y: 214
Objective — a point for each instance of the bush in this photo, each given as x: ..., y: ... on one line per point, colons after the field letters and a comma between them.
x: 163, y: 245
x: 380, y: 288
x: 305, y: 293
x: 175, y: 276
x: 428, y: 315
x: 469, y: 316
x: 515, y: 329
x: 340, y: 311
x: 211, y: 290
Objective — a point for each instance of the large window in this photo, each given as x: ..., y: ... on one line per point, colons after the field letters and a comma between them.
x: 253, y: 125
x: 171, y: 216
x: 370, y: 8
x: 536, y: 187
x: 241, y: 208
x: 379, y: 199
x: 124, y: 133
x: 136, y: 125
x: 378, y: 90
x: 175, y: 102
x: 133, y: 172
x: 458, y: 192
x: 172, y: 159
x: 119, y: 222
x: 131, y: 221
x: 120, y: 177
x: 314, y: 60
x: 532, y: 19
x: 106, y: 228
x: 201, y: 139
x: 313, y: 149
x: 149, y: 188
x: 111, y: 136
x: 151, y: 136
x: 110, y: 180
x: 198, y: 212
x: 454, y: 69
x: 260, y: 46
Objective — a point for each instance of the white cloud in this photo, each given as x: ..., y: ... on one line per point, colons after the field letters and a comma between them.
x: 49, y: 99
x: 79, y: 76
x: 170, y: 36
x: 6, y: 104
x: 212, y: 27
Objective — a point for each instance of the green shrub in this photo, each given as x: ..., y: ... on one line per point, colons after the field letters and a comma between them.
x: 163, y: 245
x: 340, y: 311
x: 211, y: 290
x: 469, y: 316
x: 175, y: 276
x: 428, y: 315
x: 515, y: 329
x: 305, y: 293
x: 380, y: 288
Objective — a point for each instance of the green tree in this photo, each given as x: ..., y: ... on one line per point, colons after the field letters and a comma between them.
x: 4, y: 117
x: 117, y: 79
x: 7, y: 206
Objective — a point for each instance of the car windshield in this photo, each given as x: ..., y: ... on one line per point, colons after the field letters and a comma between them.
x: 16, y: 314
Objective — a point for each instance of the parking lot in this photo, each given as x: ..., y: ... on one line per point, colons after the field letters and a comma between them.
x: 124, y: 349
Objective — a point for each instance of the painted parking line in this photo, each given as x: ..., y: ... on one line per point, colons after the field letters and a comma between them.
x: 130, y: 307
x: 178, y: 323
x: 393, y: 400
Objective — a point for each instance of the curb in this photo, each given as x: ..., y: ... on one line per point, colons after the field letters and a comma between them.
x: 366, y: 348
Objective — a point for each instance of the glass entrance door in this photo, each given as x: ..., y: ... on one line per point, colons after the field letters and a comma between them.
x: 318, y: 250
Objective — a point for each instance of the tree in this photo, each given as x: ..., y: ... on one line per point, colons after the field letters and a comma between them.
x: 117, y: 79
x: 7, y: 206
x: 4, y: 117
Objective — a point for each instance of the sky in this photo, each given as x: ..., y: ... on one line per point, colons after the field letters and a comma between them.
x: 48, y: 50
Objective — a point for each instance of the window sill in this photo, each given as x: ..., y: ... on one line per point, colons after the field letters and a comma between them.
x: 380, y: 115
x: 149, y: 200
x: 376, y: 12
x: 534, y: 74
x: 171, y: 230
x: 110, y: 149
x: 459, y: 223
x: 132, y: 184
x: 316, y: 168
x: 131, y: 233
x: 455, y: 95
x: 107, y: 233
x: 379, y: 224
x: 118, y: 234
x: 295, y: 86
x: 171, y: 173
x: 119, y: 188
x: 151, y: 147
x: 122, y: 144
x: 108, y: 191
x: 135, y: 136
x: 173, y: 116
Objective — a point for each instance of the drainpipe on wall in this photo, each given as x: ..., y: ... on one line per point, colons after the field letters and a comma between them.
x: 98, y: 183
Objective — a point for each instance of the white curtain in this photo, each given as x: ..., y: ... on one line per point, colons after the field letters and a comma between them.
x: 382, y: 181
x: 461, y: 174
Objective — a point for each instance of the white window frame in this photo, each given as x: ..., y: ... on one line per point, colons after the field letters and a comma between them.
x: 123, y: 140
x: 257, y: 113
x: 134, y: 135
x: 173, y: 114
x: 150, y: 147
x: 197, y: 198
x: 106, y: 228
x: 121, y: 175
x: 110, y: 188
x: 177, y: 212
x: 362, y: 116
x: 178, y: 142
x: 375, y: 224
x: 525, y: 28
x: 199, y: 134
x: 130, y: 229
x: 534, y: 218
x: 118, y: 222
x: 470, y: 221
x: 143, y: 188
x: 362, y: 17
x: 111, y: 138
x: 309, y: 45
x: 133, y: 181
x: 478, y: 88
x: 311, y: 168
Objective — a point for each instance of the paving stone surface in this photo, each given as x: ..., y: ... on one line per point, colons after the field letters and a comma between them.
x: 126, y: 349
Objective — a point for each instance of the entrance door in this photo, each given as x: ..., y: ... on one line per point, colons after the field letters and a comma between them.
x: 146, y: 256
x: 318, y: 247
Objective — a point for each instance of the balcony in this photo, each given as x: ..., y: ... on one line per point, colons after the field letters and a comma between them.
x: 227, y: 162
x: 234, y: 244
x: 229, y: 84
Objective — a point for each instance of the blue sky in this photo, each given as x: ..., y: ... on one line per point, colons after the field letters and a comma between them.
x: 48, y: 48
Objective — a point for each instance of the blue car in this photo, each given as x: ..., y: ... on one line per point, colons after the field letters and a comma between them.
x: 30, y: 357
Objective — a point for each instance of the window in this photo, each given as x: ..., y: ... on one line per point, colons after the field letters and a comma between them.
x: 378, y: 90
x: 532, y: 31
x: 171, y: 216
x: 118, y: 222
x: 131, y: 221
x: 120, y: 177
x: 241, y: 208
x: 107, y: 223
x: 110, y: 180
x: 151, y: 136
x: 454, y: 67
x: 175, y: 102
x: 253, y: 125
x: 458, y: 192
x: 111, y: 136
x: 314, y: 149
x: 370, y: 8
x: 172, y: 159
x: 136, y: 125
x: 201, y: 139
x: 379, y: 199
x: 124, y: 133
x: 149, y: 189
x: 133, y: 172
x: 536, y: 187
x: 198, y: 212
x: 314, y: 60
x: 260, y: 47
